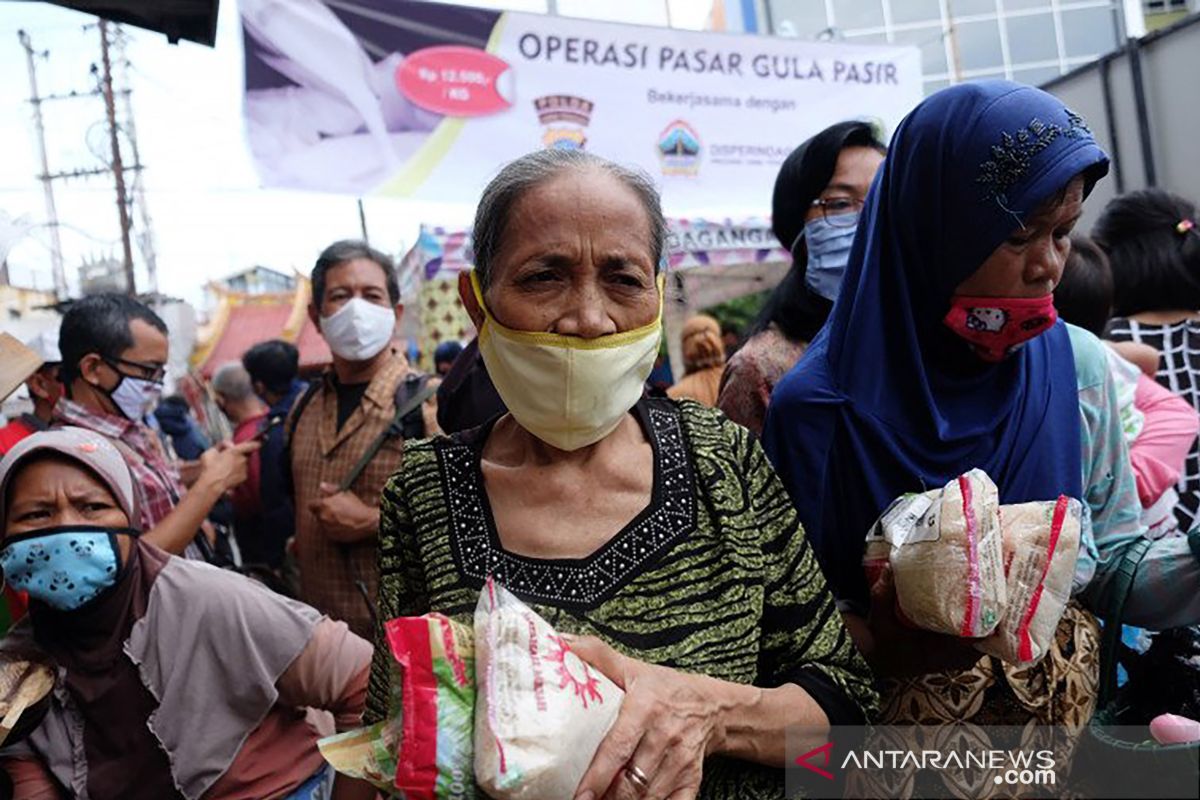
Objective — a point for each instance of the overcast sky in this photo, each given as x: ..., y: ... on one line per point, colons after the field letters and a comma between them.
x: 210, y: 218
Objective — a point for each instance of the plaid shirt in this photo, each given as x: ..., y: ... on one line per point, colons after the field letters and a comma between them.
x: 156, y: 479
x: 320, y: 451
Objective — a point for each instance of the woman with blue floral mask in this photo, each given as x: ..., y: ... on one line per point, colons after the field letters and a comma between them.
x: 652, y: 529
x: 814, y: 213
x: 944, y: 354
x: 175, y: 680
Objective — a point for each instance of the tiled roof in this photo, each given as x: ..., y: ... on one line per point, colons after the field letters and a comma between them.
x: 243, y: 320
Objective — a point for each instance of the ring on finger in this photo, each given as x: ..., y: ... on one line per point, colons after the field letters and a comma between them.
x: 638, y: 778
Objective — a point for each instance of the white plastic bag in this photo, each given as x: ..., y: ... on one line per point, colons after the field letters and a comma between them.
x: 1041, y: 545
x: 944, y: 550
x: 540, y: 712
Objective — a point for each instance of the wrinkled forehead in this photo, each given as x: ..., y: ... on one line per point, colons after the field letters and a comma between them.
x: 58, y: 472
x: 575, y: 198
x: 77, y: 448
x: 565, y: 210
x: 56, y: 468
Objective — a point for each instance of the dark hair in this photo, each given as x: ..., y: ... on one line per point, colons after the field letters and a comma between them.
x: 530, y: 171
x: 446, y: 352
x: 99, y: 323
x: 348, y: 250
x: 1084, y: 296
x: 796, y: 311
x: 807, y: 171
x: 275, y: 363
x: 1153, y: 250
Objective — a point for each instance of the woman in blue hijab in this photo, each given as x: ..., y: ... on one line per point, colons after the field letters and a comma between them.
x: 942, y: 354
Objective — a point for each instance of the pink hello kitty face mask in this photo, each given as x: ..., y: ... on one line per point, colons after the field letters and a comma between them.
x: 996, y: 327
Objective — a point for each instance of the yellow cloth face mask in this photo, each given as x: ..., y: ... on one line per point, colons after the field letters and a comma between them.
x: 566, y: 390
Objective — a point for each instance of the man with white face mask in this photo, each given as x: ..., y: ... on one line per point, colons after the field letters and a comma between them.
x: 337, y: 422
x: 114, y: 355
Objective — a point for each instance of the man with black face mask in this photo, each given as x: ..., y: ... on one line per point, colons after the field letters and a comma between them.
x: 114, y: 355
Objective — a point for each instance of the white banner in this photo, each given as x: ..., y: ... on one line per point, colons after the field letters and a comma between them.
x: 427, y: 101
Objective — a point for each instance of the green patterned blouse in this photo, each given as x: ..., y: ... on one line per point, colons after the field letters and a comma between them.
x: 714, y: 577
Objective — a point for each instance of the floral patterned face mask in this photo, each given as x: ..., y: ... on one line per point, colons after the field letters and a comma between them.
x: 996, y: 327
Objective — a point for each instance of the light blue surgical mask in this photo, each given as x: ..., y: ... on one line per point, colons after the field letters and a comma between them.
x: 64, y: 567
x: 828, y: 252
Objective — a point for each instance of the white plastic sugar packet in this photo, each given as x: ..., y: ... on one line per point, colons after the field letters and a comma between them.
x: 540, y: 711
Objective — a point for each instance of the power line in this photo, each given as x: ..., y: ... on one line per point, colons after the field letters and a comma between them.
x: 127, y: 177
x: 110, y: 108
x: 56, y: 258
x: 146, y: 237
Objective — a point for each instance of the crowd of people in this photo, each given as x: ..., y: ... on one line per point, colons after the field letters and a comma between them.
x: 210, y: 610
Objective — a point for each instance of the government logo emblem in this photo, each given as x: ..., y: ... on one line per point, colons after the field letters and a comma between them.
x: 564, y: 120
x: 679, y: 149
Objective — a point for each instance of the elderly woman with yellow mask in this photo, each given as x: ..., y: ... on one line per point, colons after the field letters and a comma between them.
x: 653, y: 529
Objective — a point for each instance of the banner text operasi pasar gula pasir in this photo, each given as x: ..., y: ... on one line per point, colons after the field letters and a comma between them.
x: 632, y: 55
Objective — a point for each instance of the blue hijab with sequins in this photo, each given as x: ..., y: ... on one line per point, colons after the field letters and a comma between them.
x: 887, y: 400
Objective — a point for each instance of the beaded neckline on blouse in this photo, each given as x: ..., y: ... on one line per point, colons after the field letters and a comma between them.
x: 584, y: 582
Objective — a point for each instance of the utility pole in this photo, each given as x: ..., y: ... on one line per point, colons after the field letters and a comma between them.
x: 146, y: 237
x: 56, y: 256
x: 362, y: 221
x: 118, y: 169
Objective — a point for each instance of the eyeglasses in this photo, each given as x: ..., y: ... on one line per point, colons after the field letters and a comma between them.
x: 839, y: 211
x: 149, y: 372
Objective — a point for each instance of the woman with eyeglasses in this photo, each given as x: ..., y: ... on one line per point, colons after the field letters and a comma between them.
x: 818, y: 194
